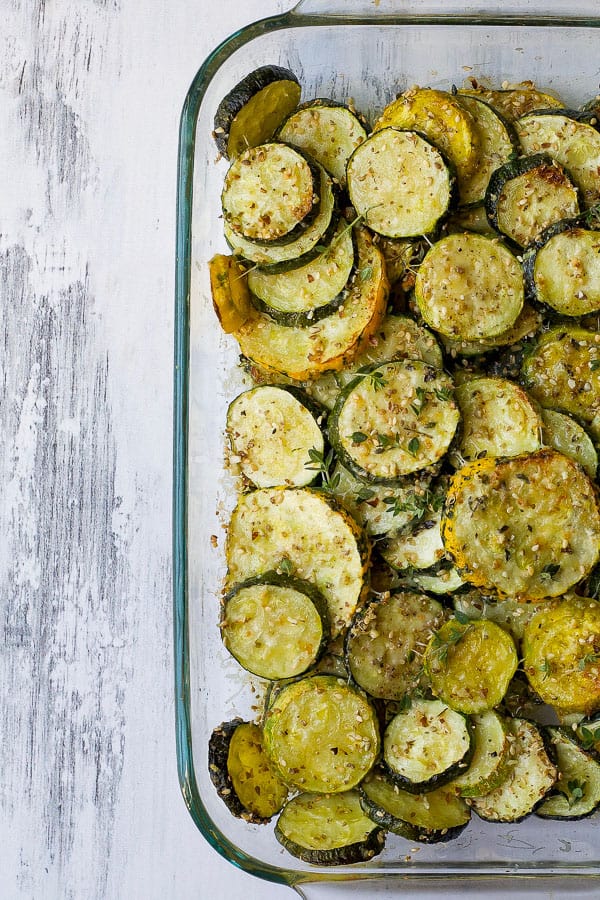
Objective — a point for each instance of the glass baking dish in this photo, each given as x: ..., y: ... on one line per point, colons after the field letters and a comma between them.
x: 367, y: 51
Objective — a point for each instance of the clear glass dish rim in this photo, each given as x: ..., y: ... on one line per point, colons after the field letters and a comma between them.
x: 294, y: 18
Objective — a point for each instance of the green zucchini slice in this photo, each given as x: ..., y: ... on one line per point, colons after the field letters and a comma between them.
x: 306, y: 245
x: 487, y: 768
x: 514, y: 102
x: 469, y: 218
x: 527, y: 527
x: 527, y: 323
x: 564, y: 434
x: 443, y: 581
x: 577, y: 789
x: 329, y: 830
x: 399, y: 183
x: 437, y: 816
x: 270, y: 194
x: 497, y: 141
x: 274, y: 625
x: 329, y: 132
x: 333, y: 341
x: 253, y: 110
x: 529, y: 776
x: 394, y: 419
x: 426, y: 745
x: 527, y: 195
x: 302, y: 532
x: 321, y: 734
x: 470, y: 664
x: 587, y: 733
x: 380, y: 509
x: 417, y: 546
x: 497, y: 419
x: 307, y: 293
x: 271, y: 430
x: 241, y: 772
x: 384, y: 644
x: 563, y: 269
x: 441, y: 118
x: 561, y: 653
x: 469, y: 287
x: 575, y: 145
x: 563, y: 372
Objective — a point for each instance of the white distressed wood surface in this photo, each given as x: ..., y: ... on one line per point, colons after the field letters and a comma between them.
x: 91, y: 92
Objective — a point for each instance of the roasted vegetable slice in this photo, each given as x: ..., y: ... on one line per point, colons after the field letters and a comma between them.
x: 527, y: 323
x: 426, y: 745
x: 530, y: 775
x: 563, y: 372
x: 399, y: 183
x: 528, y: 527
x: 329, y: 132
x: 242, y: 774
x: 329, y: 830
x: 437, y: 816
x: 564, y: 434
x: 487, y: 768
x: 418, y: 545
x: 304, y: 533
x: 321, y: 734
x: 252, y: 111
x: 394, y: 419
x: 384, y: 644
x: 497, y: 142
x: 563, y: 268
x: 516, y: 101
x: 526, y: 195
x: 469, y: 287
x: 439, y: 116
x: 497, y: 419
x: 470, y: 664
x: 577, y: 789
x: 271, y: 431
x: 303, y: 353
x: 575, y: 145
x: 231, y: 300
x: 561, y: 653
x: 274, y: 625
x: 398, y: 337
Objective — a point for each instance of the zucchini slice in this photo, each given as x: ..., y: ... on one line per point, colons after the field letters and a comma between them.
x: 469, y: 218
x: 497, y: 141
x: 563, y: 372
x: 301, y: 532
x: 527, y: 527
x: 563, y: 433
x: 527, y: 323
x: 563, y: 269
x: 278, y: 256
x: 527, y: 195
x: 469, y: 287
x: 426, y: 745
x: 530, y: 775
x: 378, y: 508
x: 401, y: 255
x: 417, y: 546
x: 487, y: 768
x: 587, y: 733
x: 242, y: 774
x: 270, y: 193
x: 512, y: 103
x: 253, y: 110
x: 274, y: 625
x: 321, y: 734
x: 332, y: 342
x: 307, y: 293
x: 577, y: 789
x: 437, y: 816
x: 561, y: 654
x: 329, y: 830
x: 394, y: 419
x: 399, y: 183
x: 575, y: 145
x: 384, y: 644
x: 230, y: 296
x: 443, y: 581
x: 497, y: 419
x: 470, y: 664
x: 271, y: 430
x: 329, y: 132
x: 441, y: 118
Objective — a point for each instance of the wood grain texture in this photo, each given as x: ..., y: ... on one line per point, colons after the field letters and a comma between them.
x: 89, y: 802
